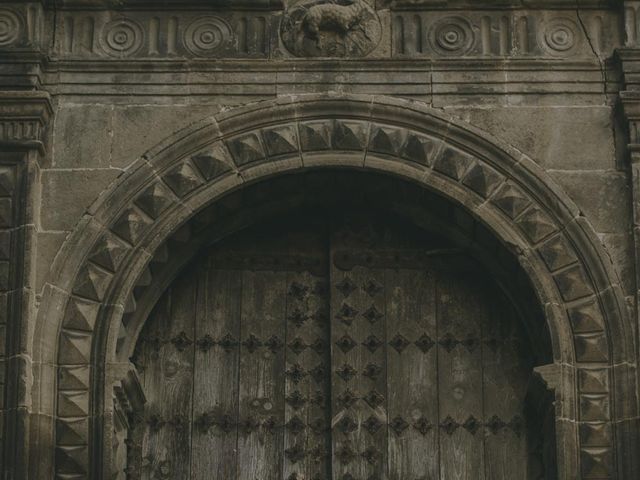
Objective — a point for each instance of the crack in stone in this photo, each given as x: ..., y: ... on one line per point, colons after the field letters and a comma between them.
x: 593, y: 50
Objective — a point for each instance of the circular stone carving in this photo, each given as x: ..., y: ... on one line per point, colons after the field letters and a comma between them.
x: 331, y: 28
x: 122, y: 37
x: 452, y: 36
x: 560, y: 36
x: 206, y: 35
x: 9, y: 27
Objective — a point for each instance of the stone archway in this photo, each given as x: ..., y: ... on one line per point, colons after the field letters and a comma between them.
x: 104, y: 263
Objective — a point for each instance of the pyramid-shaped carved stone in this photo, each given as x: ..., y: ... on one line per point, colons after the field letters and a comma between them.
x: 130, y: 226
x: 72, y: 461
x: 511, y: 200
x: 349, y: 135
x: 92, y: 282
x: 74, y: 348
x: 419, y: 149
x: 573, y: 283
x: 596, y: 462
x: 482, y: 179
x: 154, y: 200
x: 73, y: 378
x: 183, y: 179
x: 281, y: 140
x: 594, y: 434
x: 557, y: 253
x: 586, y: 318
x: 593, y: 380
x: 536, y: 225
x: 81, y: 314
x: 108, y: 252
x: 314, y: 136
x: 73, y: 404
x: 386, y: 140
x: 213, y: 162
x: 595, y: 407
x: 591, y: 347
x: 246, y: 149
x: 452, y: 163
x: 72, y: 431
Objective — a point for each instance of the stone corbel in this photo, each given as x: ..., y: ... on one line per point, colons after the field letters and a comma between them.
x: 549, y: 374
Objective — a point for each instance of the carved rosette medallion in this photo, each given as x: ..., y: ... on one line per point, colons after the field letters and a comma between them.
x: 452, y: 36
x: 331, y: 28
x: 9, y: 27
x: 121, y: 38
x: 207, y: 35
x: 560, y: 36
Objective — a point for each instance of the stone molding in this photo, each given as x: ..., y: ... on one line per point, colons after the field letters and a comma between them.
x: 105, y: 263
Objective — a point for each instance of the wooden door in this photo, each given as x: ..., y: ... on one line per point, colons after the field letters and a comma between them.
x: 350, y: 350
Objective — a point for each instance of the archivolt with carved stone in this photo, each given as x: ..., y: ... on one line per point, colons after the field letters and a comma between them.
x: 503, y: 189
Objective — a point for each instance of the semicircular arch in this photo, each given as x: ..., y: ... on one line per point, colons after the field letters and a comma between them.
x: 108, y: 255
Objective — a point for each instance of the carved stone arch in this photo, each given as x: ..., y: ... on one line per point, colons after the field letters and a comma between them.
x: 112, y: 256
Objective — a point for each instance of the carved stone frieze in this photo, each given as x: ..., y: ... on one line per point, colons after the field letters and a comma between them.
x: 316, y: 28
x: 517, y: 33
x: 21, y: 25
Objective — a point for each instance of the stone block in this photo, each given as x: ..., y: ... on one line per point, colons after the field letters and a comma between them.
x: 567, y: 138
x: 603, y: 197
x: 66, y: 194
x: 82, y: 136
x: 131, y: 133
x: 49, y: 244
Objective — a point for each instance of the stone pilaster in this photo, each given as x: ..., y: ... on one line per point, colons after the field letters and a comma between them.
x: 23, y: 120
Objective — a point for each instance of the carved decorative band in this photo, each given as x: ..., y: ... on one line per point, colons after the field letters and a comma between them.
x: 322, y: 28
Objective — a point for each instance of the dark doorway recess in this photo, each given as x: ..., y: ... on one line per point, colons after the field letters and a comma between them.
x: 343, y: 336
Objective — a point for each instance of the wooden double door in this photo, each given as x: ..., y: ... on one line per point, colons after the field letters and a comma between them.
x: 341, y: 350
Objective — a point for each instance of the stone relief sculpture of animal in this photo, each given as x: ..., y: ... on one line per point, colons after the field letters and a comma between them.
x: 340, y: 18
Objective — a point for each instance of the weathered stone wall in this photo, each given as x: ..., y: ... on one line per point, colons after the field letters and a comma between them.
x: 119, y: 77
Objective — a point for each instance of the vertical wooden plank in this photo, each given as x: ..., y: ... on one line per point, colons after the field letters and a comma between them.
x: 215, y: 398
x: 148, y: 366
x: 168, y: 382
x: 261, y: 402
x: 459, y: 379
x: 412, y: 374
x: 358, y: 352
x: 307, y: 391
x: 505, y: 384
